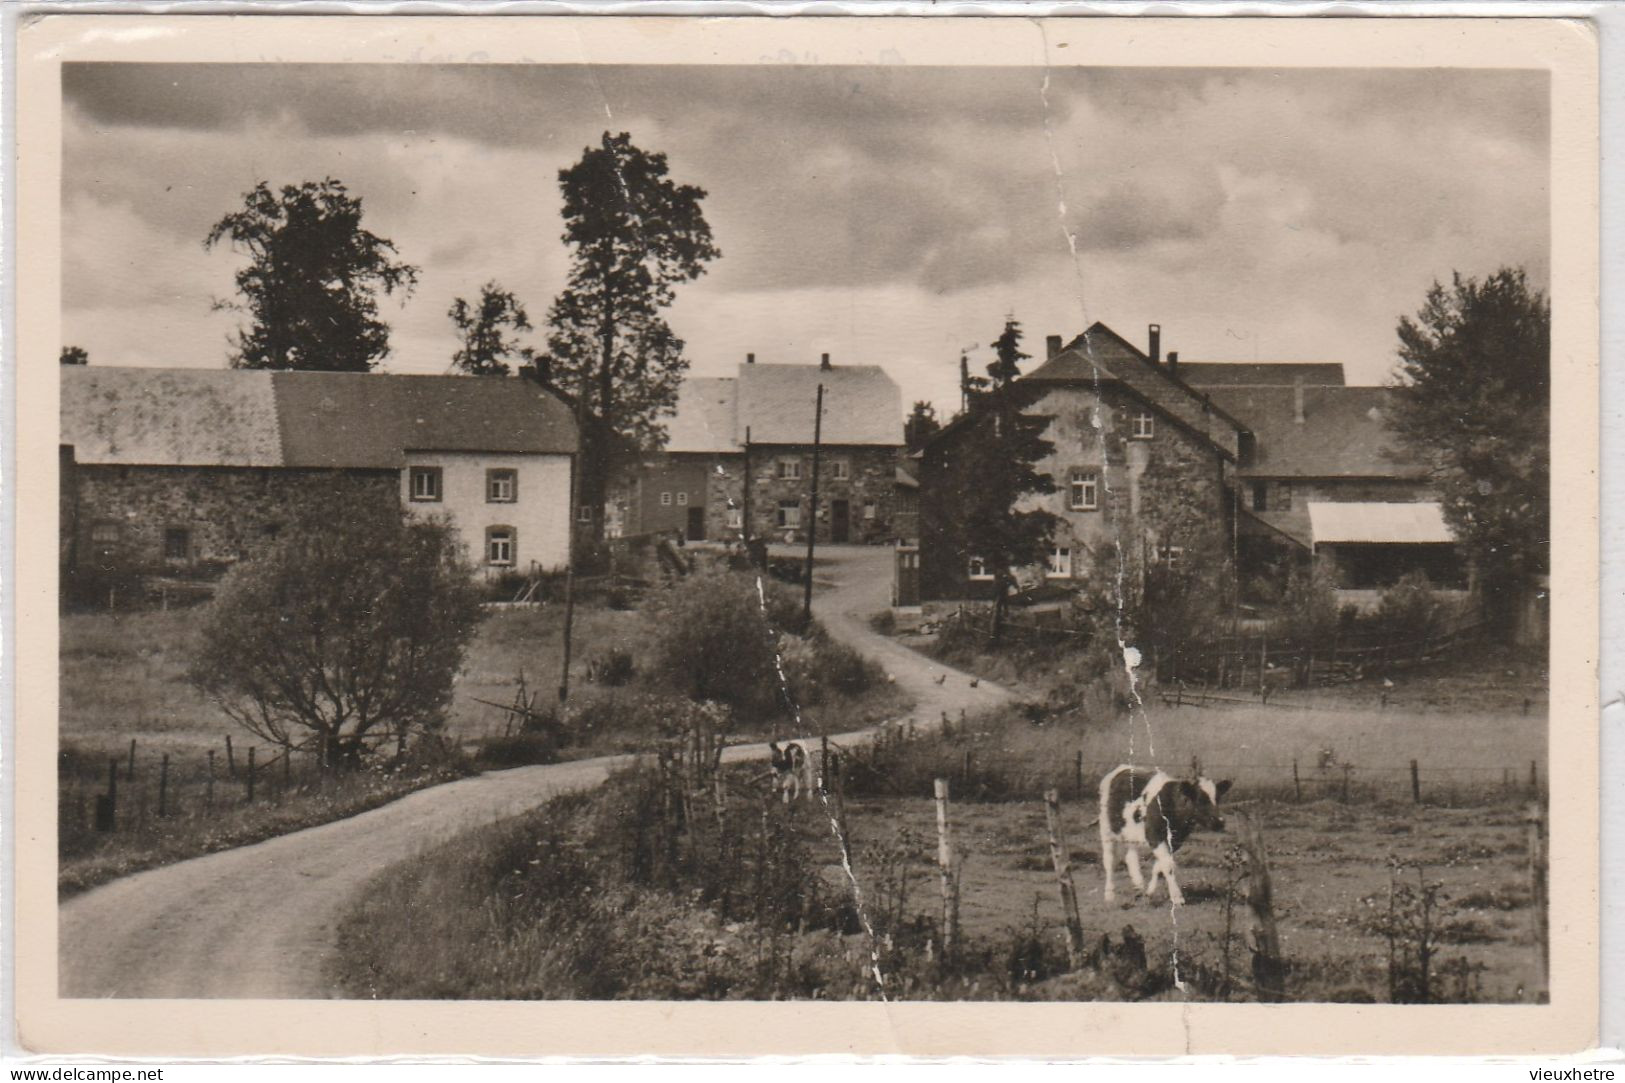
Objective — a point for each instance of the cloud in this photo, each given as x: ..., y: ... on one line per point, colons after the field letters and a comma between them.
x: 888, y: 212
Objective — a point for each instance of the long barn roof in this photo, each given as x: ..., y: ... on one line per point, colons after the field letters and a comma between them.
x: 776, y: 403
x: 230, y: 417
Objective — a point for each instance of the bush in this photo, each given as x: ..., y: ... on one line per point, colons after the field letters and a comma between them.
x: 1409, y: 610
x: 713, y: 640
x: 349, y: 629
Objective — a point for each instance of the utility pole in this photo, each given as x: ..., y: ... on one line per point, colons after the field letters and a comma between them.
x: 575, y: 548
x: 746, y: 497
x: 812, y: 518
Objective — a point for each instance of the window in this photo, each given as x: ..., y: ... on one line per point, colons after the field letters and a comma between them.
x: 499, y: 545
x: 1261, y: 496
x: 501, y: 486
x: 682, y: 499
x: 665, y: 500
x: 104, y: 534
x: 978, y: 569
x: 736, y: 519
x: 177, y: 543
x: 1085, y: 490
x: 789, y: 469
x: 1170, y: 555
x: 425, y: 483
x: 271, y: 530
x: 789, y: 514
x: 869, y: 509
x: 1145, y: 426
x: 1283, y: 496
x: 1060, y: 563
x: 584, y: 513
x: 840, y: 469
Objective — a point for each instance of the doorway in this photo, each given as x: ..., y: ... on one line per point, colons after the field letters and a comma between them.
x: 840, y: 521
x: 696, y: 524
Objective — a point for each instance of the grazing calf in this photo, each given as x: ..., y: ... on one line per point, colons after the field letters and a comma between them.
x: 789, y: 764
x: 1144, y: 807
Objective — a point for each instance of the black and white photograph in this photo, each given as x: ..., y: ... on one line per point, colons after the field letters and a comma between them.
x: 787, y: 530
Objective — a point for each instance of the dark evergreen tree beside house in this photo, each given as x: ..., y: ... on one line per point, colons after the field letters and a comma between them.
x: 634, y: 235
x: 486, y: 330
x: 1474, y: 398
x: 996, y: 469
x: 74, y: 355
x: 922, y: 424
x: 311, y: 284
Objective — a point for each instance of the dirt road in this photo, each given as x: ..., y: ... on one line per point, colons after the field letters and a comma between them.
x: 259, y: 921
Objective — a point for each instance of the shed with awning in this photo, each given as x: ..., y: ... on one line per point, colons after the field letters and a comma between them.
x: 1371, y: 545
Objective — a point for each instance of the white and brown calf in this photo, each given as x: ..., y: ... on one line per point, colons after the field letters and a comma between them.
x: 798, y: 766
x: 1144, y: 808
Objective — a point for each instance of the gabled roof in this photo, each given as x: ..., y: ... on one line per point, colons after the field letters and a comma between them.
x: 1200, y: 374
x: 776, y: 403
x: 1344, y: 433
x: 705, y: 415
x: 230, y: 417
x: 1101, y: 355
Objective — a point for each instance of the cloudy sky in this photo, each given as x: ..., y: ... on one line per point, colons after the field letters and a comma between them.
x: 885, y: 215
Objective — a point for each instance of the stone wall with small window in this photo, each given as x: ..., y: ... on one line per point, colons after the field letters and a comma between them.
x: 198, y: 519
x: 857, y: 494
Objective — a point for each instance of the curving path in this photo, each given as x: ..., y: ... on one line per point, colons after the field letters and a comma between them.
x: 259, y: 921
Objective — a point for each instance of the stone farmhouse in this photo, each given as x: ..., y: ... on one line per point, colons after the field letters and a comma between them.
x: 186, y: 471
x: 758, y: 424
x: 1158, y: 461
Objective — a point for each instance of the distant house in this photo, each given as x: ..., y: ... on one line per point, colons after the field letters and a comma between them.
x: 696, y: 485
x: 1326, y: 474
x: 1139, y: 465
x: 1275, y: 464
x: 190, y: 470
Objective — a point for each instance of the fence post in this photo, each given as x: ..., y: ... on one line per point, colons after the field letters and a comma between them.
x: 1416, y: 784
x: 945, y: 865
x: 287, y: 767
x: 1534, y: 821
x: 1534, y: 780
x: 1297, y: 785
x: 964, y: 769
x: 130, y: 775
x: 1269, y: 970
x: 251, y: 750
x: 163, y: 786
x: 107, y: 803
x: 1077, y: 771
x: 209, y: 790
x: 1063, y: 875
x: 231, y: 760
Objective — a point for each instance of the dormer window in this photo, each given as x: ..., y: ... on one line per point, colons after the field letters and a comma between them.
x: 1144, y: 426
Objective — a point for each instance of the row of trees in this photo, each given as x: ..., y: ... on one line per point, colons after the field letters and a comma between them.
x: 314, y: 275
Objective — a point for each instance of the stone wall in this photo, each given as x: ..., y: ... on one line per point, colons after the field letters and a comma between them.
x: 226, y: 512
x: 869, y: 491
x: 1167, y: 489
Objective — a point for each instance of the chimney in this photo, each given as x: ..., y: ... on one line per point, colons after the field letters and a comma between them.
x: 1052, y: 346
x: 750, y: 359
x: 1297, y: 399
x: 1173, y: 363
x: 823, y: 362
x: 1156, y: 343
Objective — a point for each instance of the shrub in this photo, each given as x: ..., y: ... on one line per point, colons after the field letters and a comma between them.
x: 349, y: 629
x: 1409, y: 610
x: 713, y: 640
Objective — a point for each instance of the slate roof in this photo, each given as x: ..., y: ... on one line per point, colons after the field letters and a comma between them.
x: 705, y: 415
x: 229, y: 417
x: 1102, y: 354
x: 862, y: 406
x: 1343, y: 433
x: 1201, y: 374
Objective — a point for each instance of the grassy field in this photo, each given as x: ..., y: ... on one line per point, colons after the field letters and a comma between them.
x: 559, y: 904
x: 123, y: 680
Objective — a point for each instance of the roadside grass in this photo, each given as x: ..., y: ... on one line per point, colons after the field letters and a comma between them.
x: 123, y: 679
x: 614, y: 894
